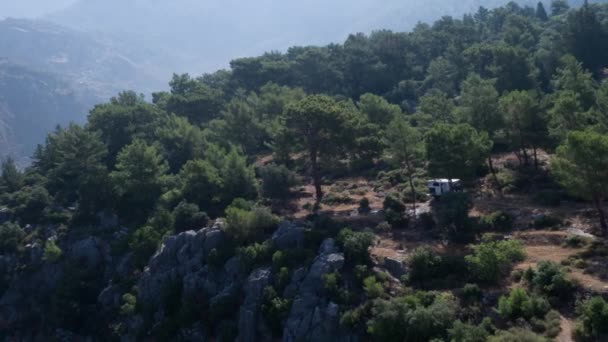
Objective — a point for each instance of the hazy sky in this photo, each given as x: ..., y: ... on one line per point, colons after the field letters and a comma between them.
x: 30, y: 8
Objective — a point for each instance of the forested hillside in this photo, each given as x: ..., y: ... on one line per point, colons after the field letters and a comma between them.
x: 286, y: 198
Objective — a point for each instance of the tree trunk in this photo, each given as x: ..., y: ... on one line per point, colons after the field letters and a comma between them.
x: 413, y: 188
x: 535, y: 157
x: 493, y: 171
x: 598, y: 205
x: 316, y: 175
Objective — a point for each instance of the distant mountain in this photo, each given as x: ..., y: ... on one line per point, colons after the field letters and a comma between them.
x: 31, y: 104
x: 52, y: 75
x: 203, y: 35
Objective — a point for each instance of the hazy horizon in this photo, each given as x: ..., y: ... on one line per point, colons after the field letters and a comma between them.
x: 31, y: 8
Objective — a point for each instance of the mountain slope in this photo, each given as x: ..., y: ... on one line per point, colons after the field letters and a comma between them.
x: 52, y: 75
x: 206, y: 35
x: 31, y: 104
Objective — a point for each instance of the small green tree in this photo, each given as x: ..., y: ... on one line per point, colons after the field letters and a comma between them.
x: 321, y: 125
x: 52, y: 252
x: 455, y: 151
x: 11, y: 179
x: 139, y: 178
x: 581, y: 166
x: 592, y: 324
x: 406, y: 151
x: 11, y: 236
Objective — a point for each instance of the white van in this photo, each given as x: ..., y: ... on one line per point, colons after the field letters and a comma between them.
x: 439, y: 187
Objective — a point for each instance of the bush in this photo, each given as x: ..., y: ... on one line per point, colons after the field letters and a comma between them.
x: 52, y: 252
x: 331, y: 283
x: 277, y: 180
x: 255, y: 254
x: 394, y: 211
x: 355, y: 245
x: 498, y: 221
x: 427, y: 221
x: 551, y: 280
x: 11, y: 236
x: 462, y: 332
x: 129, y: 304
x: 31, y: 204
x: 419, y: 317
x: 373, y: 289
x: 491, y: 260
x: 144, y: 243
x: 592, y: 322
x: 550, y: 198
x: 518, y: 304
x: 352, y: 318
x: 364, y: 206
x: 246, y: 225
x: 187, y: 216
x: 471, y: 293
x: 453, y: 219
x: 424, y: 265
x: 516, y: 335
x: 546, y: 221
x: 274, y: 309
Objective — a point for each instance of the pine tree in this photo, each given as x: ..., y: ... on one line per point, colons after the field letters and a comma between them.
x: 541, y: 13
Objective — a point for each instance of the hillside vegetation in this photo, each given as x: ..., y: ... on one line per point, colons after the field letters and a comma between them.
x: 285, y: 198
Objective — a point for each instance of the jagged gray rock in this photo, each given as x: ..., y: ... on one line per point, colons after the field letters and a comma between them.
x: 395, y: 267
x: 249, y: 314
x: 92, y: 252
x: 287, y: 236
x: 313, y: 317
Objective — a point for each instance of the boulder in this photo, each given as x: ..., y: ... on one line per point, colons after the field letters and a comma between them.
x: 250, y: 309
x: 90, y: 252
x: 395, y: 267
x: 287, y: 236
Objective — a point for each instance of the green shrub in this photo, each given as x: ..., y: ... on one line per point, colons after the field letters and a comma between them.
x: 355, y: 245
x: 550, y: 198
x: 331, y: 282
x: 471, y: 293
x: 491, y: 260
x: 352, y: 318
x: 364, y: 205
x: 427, y: 221
x: 277, y: 181
x: 187, y: 216
x: 551, y: 280
x: 11, y: 237
x: 246, y: 225
x: 394, y: 212
x: 129, y: 304
x: 373, y: 289
x: 144, y: 243
x: 453, y: 219
x: 575, y: 241
x: 255, y: 254
x: 592, y: 321
x: 498, y: 221
x: 546, y: 221
x: 463, y: 332
x: 274, y: 310
x: 516, y: 335
x: 518, y: 304
x: 419, y: 317
x: 424, y: 265
x: 52, y: 252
